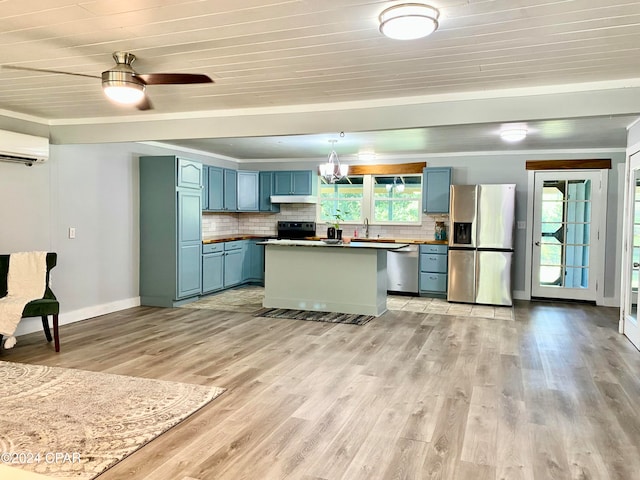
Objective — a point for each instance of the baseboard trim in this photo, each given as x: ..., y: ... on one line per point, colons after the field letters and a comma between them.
x: 606, y: 301
x: 610, y: 302
x: 521, y: 295
x: 30, y: 325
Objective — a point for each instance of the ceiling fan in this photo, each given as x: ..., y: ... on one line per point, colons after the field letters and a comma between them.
x: 123, y: 84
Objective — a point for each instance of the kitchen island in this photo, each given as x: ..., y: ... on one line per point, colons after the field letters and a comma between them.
x: 318, y: 276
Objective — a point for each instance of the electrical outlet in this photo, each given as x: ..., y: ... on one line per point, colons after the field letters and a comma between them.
x: 522, y: 225
x: 72, y: 232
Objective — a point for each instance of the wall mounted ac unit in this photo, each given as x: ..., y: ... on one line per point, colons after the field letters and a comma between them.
x: 21, y: 148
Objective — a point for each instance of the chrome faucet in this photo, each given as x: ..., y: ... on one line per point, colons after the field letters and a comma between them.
x: 366, y: 227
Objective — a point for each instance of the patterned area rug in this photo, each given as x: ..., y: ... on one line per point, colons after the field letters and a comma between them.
x: 73, y: 423
x: 330, y: 317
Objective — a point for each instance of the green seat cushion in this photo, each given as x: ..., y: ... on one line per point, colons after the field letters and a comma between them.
x: 38, y: 308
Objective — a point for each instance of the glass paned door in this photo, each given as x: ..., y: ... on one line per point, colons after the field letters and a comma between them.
x: 631, y: 254
x: 565, y: 209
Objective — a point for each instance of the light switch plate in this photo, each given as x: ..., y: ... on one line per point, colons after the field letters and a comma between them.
x: 72, y: 232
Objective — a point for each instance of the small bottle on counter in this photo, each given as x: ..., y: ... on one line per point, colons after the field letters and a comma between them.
x: 355, y: 233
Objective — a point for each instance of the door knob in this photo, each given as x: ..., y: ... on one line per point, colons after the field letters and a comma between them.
x: 636, y: 265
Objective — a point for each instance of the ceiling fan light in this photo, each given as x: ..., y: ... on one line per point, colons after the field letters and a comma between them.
x: 409, y: 21
x: 513, y: 135
x: 128, y: 94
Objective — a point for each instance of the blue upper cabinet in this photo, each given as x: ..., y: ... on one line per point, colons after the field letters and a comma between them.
x: 302, y: 182
x: 230, y: 190
x: 295, y: 182
x: 189, y: 174
x: 216, y: 188
x: 435, y: 189
x: 265, y: 190
x: 222, y: 190
x: 205, y: 187
x: 248, y: 191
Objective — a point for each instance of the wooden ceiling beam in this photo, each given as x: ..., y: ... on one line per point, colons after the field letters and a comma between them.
x: 587, y: 164
x: 391, y: 169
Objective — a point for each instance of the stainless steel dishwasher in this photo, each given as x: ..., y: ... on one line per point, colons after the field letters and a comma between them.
x: 402, y: 269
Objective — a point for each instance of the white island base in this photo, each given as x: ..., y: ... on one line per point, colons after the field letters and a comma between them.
x: 327, y: 278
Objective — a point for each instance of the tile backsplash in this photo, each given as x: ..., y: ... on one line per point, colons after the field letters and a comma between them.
x: 266, y: 224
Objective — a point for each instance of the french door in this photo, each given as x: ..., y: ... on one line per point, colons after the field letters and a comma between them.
x: 631, y: 253
x: 566, y: 212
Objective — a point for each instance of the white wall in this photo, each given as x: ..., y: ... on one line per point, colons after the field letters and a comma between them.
x: 633, y: 136
x: 25, y: 212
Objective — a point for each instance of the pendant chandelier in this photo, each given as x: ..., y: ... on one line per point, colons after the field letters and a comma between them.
x: 333, y: 170
x: 397, y: 185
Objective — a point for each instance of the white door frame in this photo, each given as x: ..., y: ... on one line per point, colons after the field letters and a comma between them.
x: 627, y: 225
x: 599, y: 244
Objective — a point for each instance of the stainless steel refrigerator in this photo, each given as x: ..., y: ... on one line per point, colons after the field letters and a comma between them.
x: 482, y: 219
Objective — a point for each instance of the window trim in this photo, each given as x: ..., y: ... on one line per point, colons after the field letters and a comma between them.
x: 368, y: 202
x: 372, y: 220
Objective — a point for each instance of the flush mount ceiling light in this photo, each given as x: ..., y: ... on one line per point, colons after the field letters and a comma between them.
x: 333, y: 170
x: 408, y: 21
x: 513, y: 134
x: 366, y: 155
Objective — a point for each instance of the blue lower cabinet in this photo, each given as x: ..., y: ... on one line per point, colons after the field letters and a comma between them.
x: 433, y: 270
x: 255, y: 257
x: 188, y: 270
x: 433, y: 282
x: 234, y: 259
x: 212, y: 267
x: 228, y: 264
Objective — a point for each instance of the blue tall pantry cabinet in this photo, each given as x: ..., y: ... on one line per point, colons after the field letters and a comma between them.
x: 170, y: 230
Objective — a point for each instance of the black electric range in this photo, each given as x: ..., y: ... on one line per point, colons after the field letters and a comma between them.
x: 296, y: 230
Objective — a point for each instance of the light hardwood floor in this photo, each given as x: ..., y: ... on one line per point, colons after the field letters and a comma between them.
x: 552, y: 394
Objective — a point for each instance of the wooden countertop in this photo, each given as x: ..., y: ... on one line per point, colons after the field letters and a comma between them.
x: 411, y: 241
x: 322, y: 243
x: 230, y: 238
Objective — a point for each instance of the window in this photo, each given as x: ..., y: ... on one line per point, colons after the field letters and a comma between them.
x: 397, y: 199
x: 380, y: 198
x: 345, y: 195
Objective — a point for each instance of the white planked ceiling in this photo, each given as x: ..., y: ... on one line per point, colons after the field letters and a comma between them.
x: 268, y: 53
x: 568, y: 134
